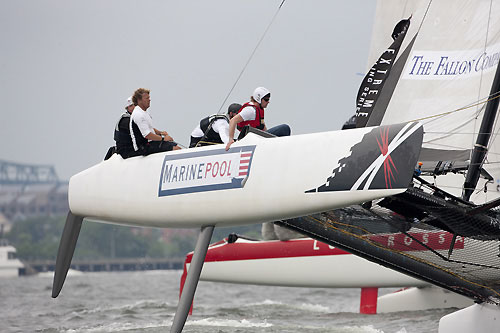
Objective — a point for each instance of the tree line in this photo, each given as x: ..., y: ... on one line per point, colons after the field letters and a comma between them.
x: 38, y: 239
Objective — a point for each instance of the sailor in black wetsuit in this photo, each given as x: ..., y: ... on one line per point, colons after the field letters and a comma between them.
x: 214, y: 129
x: 122, y: 137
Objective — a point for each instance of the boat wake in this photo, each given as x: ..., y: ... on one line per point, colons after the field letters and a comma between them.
x: 308, y: 307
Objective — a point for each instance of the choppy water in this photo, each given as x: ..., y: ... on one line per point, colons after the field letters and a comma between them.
x: 146, y: 302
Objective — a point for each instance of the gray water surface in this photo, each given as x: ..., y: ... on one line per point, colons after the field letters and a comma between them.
x: 146, y: 302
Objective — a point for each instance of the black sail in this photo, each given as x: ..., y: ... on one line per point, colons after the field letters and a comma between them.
x: 372, y: 84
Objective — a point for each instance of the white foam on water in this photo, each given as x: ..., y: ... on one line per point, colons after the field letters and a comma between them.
x: 266, y: 302
x: 227, y: 323
x: 358, y: 329
x: 314, y: 307
x: 304, y: 306
x: 134, y: 305
x: 119, y: 327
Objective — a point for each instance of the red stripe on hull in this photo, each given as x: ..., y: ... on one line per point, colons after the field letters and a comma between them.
x: 269, y: 250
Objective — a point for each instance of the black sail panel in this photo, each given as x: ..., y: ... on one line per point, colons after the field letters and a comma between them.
x: 372, y: 84
x: 378, y: 111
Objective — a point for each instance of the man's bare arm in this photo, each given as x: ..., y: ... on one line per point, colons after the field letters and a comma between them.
x: 232, y: 127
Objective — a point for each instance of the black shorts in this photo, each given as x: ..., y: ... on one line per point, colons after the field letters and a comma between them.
x: 159, y: 146
x: 197, y: 142
x: 194, y: 141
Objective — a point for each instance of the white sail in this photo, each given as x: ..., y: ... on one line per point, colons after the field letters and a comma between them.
x: 446, y: 79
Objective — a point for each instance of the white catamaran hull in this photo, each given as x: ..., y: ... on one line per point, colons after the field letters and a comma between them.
x: 257, y: 180
x: 301, y: 262
x: 306, y: 262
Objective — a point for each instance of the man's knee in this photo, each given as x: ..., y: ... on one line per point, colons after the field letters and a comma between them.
x: 286, y: 130
x: 280, y: 130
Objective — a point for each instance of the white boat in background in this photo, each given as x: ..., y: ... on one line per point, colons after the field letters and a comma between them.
x: 10, y: 266
x: 306, y: 262
x: 303, y: 262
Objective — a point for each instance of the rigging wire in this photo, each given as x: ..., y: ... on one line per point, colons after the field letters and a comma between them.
x: 404, y: 9
x: 455, y: 133
x: 251, y: 55
x: 425, y: 15
x: 456, y: 110
x: 450, y: 133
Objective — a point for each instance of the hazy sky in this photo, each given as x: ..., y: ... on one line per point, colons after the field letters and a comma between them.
x: 67, y: 68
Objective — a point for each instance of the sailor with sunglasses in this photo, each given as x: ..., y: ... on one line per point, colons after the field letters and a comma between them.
x: 252, y: 114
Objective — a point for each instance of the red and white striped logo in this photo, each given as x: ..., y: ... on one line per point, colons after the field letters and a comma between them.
x: 245, y: 162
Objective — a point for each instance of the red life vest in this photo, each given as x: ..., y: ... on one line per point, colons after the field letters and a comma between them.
x: 259, y: 116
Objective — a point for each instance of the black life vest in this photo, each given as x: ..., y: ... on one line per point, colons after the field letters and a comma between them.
x: 209, y: 135
x: 122, y: 132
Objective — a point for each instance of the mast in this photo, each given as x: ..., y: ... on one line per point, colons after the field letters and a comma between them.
x: 481, y: 146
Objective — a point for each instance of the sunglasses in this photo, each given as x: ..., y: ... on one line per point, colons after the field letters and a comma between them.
x: 266, y: 99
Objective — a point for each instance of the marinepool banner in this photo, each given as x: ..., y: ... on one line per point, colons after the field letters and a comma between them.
x: 373, y: 82
x: 208, y: 170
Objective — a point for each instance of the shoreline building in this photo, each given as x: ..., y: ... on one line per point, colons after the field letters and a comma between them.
x: 30, y: 191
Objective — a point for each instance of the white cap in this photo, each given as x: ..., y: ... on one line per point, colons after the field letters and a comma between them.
x: 129, y: 102
x: 259, y: 93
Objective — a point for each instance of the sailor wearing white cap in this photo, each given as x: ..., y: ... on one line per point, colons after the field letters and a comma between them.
x: 122, y: 137
x: 252, y: 114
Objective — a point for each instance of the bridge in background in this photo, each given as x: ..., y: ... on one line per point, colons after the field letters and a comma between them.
x: 31, y: 190
x: 107, y: 265
x: 26, y: 174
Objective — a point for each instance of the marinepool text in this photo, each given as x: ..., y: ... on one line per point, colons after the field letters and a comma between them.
x: 208, y: 170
